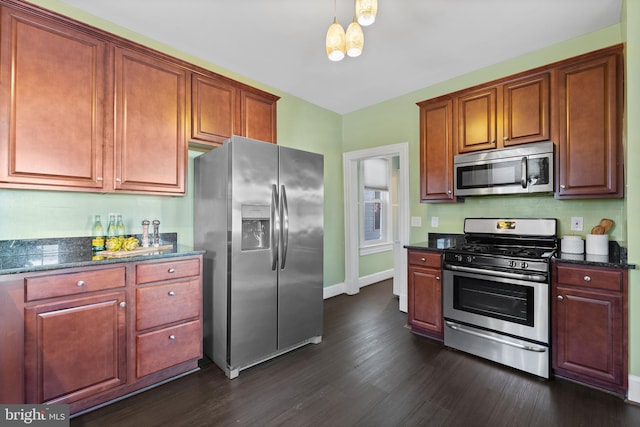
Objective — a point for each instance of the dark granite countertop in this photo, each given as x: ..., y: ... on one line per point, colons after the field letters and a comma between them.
x: 25, y: 256
x: 617, y: 257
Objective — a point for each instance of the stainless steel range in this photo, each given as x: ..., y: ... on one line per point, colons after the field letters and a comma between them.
x: 496, y: 291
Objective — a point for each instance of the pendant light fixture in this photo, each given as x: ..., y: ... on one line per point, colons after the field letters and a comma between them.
x: 366, y: 11
x: 355, y: 39
x: 336, y: 39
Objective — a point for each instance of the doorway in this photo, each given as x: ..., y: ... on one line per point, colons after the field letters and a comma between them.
x: 351, y: 162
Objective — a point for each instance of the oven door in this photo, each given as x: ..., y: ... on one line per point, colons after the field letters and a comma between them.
x: 509, y: 306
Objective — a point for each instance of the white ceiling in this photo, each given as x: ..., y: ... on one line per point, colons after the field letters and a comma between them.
x: 413, y: 43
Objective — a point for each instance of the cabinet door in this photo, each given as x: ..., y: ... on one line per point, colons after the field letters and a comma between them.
x: 75, y: 348
x: 150, y: 107
x: 436, y: 151
x: 214, y: 107
x: 477, y: 120
x: 526, y: 109
x: 590, y: 160
x: 588, y: 340
x: 51, y: 104
x: 425, y: 301
x: 258, y: 115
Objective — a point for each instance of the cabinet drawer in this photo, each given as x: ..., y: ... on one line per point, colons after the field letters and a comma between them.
x: 57, y: 285
x: 172, y: 302
x: 610, y: 280
x: 167, y: 347
x: 155, y: 272
x: 425, y: 259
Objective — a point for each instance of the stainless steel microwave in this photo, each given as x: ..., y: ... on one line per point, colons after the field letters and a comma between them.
x: 522, y: 169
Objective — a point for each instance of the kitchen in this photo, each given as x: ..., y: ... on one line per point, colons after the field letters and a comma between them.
x: 332, y: 134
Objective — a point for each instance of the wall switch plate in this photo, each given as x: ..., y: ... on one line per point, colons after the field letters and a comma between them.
x: 435, y: 221
x: 577, y: 223
x: 416, y: 221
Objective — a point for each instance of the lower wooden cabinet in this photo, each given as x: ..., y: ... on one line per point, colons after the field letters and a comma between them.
x: 75, y: 348
x: 424, y: 314
x: 589, y: 318
x: 96, y: 334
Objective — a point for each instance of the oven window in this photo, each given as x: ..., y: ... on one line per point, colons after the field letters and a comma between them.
x: 513, y: 303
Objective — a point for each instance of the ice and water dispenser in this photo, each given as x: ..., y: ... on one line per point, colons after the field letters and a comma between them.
x: 255, y: 227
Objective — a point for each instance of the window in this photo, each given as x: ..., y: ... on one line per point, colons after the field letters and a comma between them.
x: 375, y: 209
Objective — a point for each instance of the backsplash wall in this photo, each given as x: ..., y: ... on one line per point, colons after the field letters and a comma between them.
x: 451, y: 215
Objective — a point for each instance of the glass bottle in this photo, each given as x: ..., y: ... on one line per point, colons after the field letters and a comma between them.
x: 97, y: 234
x: 119, y: 226
x: 111, y: 228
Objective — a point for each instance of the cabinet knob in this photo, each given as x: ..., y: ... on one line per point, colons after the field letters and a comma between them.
x: 172, y: 337
x: 448, y: 191
x: 172, y: 270
x: 118, y: 180
x: 587, y: 278
x: 506, y: 138
x: 172, y: 294
x: 437, y: 277
x: 562, y: 186
x: 123, y: 304
x: 560, y: 298
x: 99, y: 178
x: 80, y: 283
x: 423, y: 260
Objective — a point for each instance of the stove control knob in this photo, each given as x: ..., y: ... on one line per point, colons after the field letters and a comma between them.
x: 469, y: 259
x: 512, y: 264
x: 524, y: 265
x: 458, y: 257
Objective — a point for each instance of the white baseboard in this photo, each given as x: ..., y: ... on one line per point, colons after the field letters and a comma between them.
x: 633, y: 393
x: 339, y: 288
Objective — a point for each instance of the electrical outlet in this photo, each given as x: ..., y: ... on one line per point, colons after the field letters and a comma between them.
x: 435, y: 221
x: 416, y: 221
x: 577, y: 223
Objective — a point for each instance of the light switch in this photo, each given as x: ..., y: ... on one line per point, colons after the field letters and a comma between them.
x: 435, y: 221
x: 416, y: 221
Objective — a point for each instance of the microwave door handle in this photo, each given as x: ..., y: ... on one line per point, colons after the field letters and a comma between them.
x: 525, y: 173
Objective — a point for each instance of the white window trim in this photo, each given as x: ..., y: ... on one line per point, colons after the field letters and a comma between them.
x: 376, y: 248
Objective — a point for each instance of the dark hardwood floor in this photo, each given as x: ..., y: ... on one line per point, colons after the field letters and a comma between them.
x: 368, y: 371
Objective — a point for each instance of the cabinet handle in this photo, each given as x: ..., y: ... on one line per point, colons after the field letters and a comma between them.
x: 123, y: 304
x: 172, y: 270
x: 99, y: 178
x: 172, y: 294
x: 118, y: 180
x: 587, y: 278
x: 172, y: 337
x: 80, y: 283
x: 560, y: 298
x: 423, y: 260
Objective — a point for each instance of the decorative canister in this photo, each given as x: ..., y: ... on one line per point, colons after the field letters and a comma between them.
x: 598, y: 244
x: 572, y: 245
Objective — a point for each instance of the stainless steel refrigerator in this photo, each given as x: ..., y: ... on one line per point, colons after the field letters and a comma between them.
x: 259, y: 216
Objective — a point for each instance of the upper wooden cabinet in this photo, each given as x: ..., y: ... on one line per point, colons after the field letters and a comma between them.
x: 85, y: 110
x: 213, y: 103
x: 52, y: 94
x: 258, y: 112
x: 150, y: 108
x: 436, y: 151
x: 590, y: 162
x: 511, y: 113
x: 221, y: 108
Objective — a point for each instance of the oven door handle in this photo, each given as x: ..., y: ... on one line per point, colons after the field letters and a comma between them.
x: 507, y: 275
x: 460, y: 328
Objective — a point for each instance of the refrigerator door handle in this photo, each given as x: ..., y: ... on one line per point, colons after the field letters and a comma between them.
x: 275, y: 226
x: 284, y: 228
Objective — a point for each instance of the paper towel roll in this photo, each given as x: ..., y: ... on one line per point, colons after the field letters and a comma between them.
x: 598, y: 244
